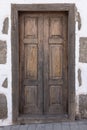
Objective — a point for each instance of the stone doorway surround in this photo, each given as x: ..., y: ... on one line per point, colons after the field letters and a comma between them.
x: 70, y: 9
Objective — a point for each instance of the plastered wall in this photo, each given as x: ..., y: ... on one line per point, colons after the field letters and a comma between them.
x: 5, y: 55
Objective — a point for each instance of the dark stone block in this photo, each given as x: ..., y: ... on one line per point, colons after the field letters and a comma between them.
x: 3, y: 52
x: 5, y: 26
x: 5, y: 83
x: 83, y: 50
x: 83, y: 106
x: 79, y: 77
x: 78, y: 19
x: 3, y: 106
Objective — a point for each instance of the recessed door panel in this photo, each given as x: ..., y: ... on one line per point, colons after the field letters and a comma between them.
x: 56, y: 26
x: 31, y: 28
x: 55, y: 61
x: 31, y: 62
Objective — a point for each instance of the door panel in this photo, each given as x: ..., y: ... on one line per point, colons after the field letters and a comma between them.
x: 55, y: 100
x: 31, y: 62
x: 55, y: 61
x: 31, y: 27
x: 56, y: 27
x: 31, y: 96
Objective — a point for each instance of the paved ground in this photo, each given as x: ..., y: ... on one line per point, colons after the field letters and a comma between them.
x: 78, y: 125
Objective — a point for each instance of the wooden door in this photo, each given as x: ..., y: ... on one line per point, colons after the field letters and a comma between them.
x: 43, y: 63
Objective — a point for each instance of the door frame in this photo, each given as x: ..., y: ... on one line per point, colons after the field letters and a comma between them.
x: 15, y: 10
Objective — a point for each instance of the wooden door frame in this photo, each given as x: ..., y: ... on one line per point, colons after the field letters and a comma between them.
x: 15, y: 9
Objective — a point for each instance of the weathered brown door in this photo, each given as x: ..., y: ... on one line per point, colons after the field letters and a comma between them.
x: 43, y: 63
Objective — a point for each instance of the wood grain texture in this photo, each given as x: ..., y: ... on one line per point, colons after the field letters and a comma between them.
x: 31, y: 61
x: 31, y: 100
x: 55, y: 27
x: 30, y: 27
x: 31, y: 95
x: 55, y: 95
x: 55, y: 61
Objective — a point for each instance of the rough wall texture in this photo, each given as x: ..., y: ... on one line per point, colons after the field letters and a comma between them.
x: 79, y: 77
x: 83, y: 50
x: 3, y: 52
x: 78, y: 19
x: 3, y: 106
x: 5, y: 26
x: 83, y: 105
x: 5, y: 83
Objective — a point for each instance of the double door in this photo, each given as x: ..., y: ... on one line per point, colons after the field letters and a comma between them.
x: 43, y: 63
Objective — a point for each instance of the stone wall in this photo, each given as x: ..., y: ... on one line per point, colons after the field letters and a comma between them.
x: 6, y: 62
x: 3, y: 106
x: 4, y: 92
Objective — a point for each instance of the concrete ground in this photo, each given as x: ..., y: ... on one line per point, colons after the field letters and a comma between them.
x: 77, y: 125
